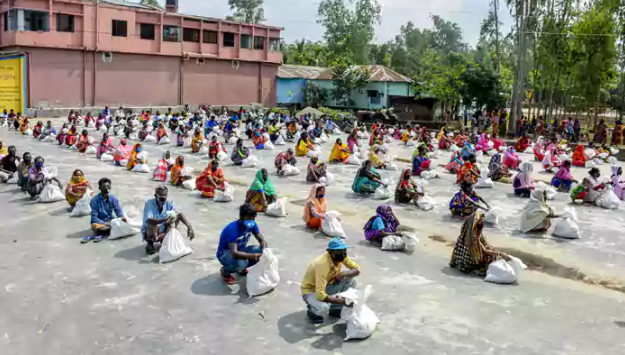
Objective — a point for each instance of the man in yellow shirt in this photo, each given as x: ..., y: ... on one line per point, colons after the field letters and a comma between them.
x: 324, y: 278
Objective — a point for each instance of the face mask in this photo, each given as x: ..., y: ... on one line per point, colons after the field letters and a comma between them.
x: 105, y: 191
x: 138, y: 150
x: 321, y: 196
x: 340, y: 256
x: 161, y: 200
x: 249, y: 224
x: 38, y: 165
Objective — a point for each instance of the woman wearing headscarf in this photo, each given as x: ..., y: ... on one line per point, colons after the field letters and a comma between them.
x: 315, y: 170
x: 420, y: 162
x: 511, y: 159
x: 38, y: 129
x: 523, y: 143
x: 83, y: 141
x: 304, y: 145
x: 106, y: 146
x: 537, y: 214
x: 539, y: 148
x: 382, y: 225
x: 197, y: 141
x: 71, y: 136
x: 340, y: 152
x: 161, y: 131
x: 444, y: 142
x: 239, y: 153
x: 523, y: 181
x: 352, y: 142
x: 597, y: 186
x: 24, y: 125
x: 134, y: 158
x: 374, y: 157
x: 455, y: 163
x: 162, y: 167
x: 467, y: 150
x: 563, y: 178
x: 469, y: 171
x: 258, y: 138
x: 181, y: 135
x: 261, y: 193
x: 122, y: 152
x: 291, y: 129
x: 472, y: 254
x: 405, y: 135
x: 466, y: 201
x: 497, y: 171
x: 315, y: 208
x: 579, y: 156
x: 483, y: 144
x: 210, y: 180
x: 460, y: 139
x: 176, y: 172
x: 367, y: 179
x: 422, y: 134
x: 618, y: 186
x: 617, y: 134
x: 407, y: 190
x: 601, y: 135
x: 76, y: 188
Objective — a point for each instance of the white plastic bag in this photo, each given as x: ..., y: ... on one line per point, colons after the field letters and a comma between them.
x: 492, y: 216
x: 83, y: 206
x: 393, y: 243
x: 612, y: 160
x: 90, y: 150
x: 221, y: 156
x: 598, y: 161
x: 121, y: 229
x: 529, y: 151
x: 189, y: 184
x: 279, y: 141
x: 164, y: 140
x: 268, y: 145
x: 411, y: 143
x: 106, y: 158
x: 203, y: 150
x: 28, y: 132
x: 590, y: 153
x: 124, y: 163
x: 391, y: 166
x: 227, y: 195
x: 426, y: 203
x: 361, y: 321
x: 50, y: 193
x: 173, y: 247
x: 326, y: 180
x: 608, y: 200
x: 484, y: 183
x: 382, y: 193
x: 290, y: 170
x: 429, y: 174
x: 103, y: 129
x: 277, y: 209
x: 264, y: 276
x: 141, y: 168
x: 550, y: 190
x: 566, y: 228
x: 411, y: 242
x: 250, y: 162
x: 505, y: 272
x: 313, y: 153
x: 479, y: 157
x: 331, y: 225
x: 352, y: 159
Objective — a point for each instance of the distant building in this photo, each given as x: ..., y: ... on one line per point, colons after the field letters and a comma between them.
x: 384, y: 83
x: 73, y: 53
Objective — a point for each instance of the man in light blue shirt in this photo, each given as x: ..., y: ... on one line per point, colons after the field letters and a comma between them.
x: 155, y: 226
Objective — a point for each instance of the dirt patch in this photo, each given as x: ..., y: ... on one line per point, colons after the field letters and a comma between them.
x: 550, y: 267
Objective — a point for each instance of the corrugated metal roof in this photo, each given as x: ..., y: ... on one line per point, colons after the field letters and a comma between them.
x: 378, y: 73
x: 289, y: 71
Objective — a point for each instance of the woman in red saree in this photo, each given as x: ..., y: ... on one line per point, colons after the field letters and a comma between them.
x: 523, y: 143
x: 422, y: 134
x: 257, y: 137
x: 211, y: 179
x: 38, y: 129
x: 88, y: 119
x: 71, y: 136
x: 579, y: 156
x: 105, y: 146
x: 161, y: 132
x: 83, y: 141
x: 214, y: 148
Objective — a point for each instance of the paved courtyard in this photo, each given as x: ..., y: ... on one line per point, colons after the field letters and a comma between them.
x: 58, y: 297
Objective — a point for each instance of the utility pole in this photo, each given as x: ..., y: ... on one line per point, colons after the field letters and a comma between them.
x: 496, y: 9
x: 518, y: 80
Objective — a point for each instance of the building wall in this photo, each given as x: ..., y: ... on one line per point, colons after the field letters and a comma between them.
x: 363, y: 101
x: 67, y: 78
x: 291, y: 91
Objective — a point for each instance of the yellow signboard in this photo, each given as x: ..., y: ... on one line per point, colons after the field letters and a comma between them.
x: 12, y: 84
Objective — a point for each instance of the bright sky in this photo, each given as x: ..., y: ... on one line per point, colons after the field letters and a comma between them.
x: 298, y: 17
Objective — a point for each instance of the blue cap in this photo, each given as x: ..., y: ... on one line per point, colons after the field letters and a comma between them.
x: 337, y: 244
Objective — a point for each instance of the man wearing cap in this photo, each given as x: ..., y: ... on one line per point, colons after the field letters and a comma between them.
x: 324, y: 278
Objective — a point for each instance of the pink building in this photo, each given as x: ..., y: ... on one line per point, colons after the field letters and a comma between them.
x: 117, y: 53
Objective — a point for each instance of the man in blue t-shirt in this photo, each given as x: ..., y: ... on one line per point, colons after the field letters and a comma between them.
x: 233, y: 252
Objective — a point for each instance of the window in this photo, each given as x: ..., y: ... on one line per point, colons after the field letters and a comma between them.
x: 274, y: 44
x: 6, y: 21
x: 209, y: 37
x: 36, y: 21
x: 146, y: 31
x: 171, y: 33
x: 191, y: 35
x: 228, y: 39
x: 120, y: 28
x: 246, y: 41
x: 64, y: 23
x: 259, y: 43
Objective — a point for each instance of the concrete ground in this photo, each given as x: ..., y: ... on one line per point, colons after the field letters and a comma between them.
x: 59, y: 297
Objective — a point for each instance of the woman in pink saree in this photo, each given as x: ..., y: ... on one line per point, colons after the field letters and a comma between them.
x: 105, y: 146
x: 511, y: 159
x: 539, y: 148
x: 122, y: 152
x: 483, y: 143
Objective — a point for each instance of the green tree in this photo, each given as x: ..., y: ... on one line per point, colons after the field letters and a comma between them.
x: 306, y: 53
x: 151, y: 3
x: 348, y: 78
x: 349, y: 31
x: 247, y: 11
x: 314, y: 95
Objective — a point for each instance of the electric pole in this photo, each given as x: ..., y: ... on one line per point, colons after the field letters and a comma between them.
x: 496, y: 9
